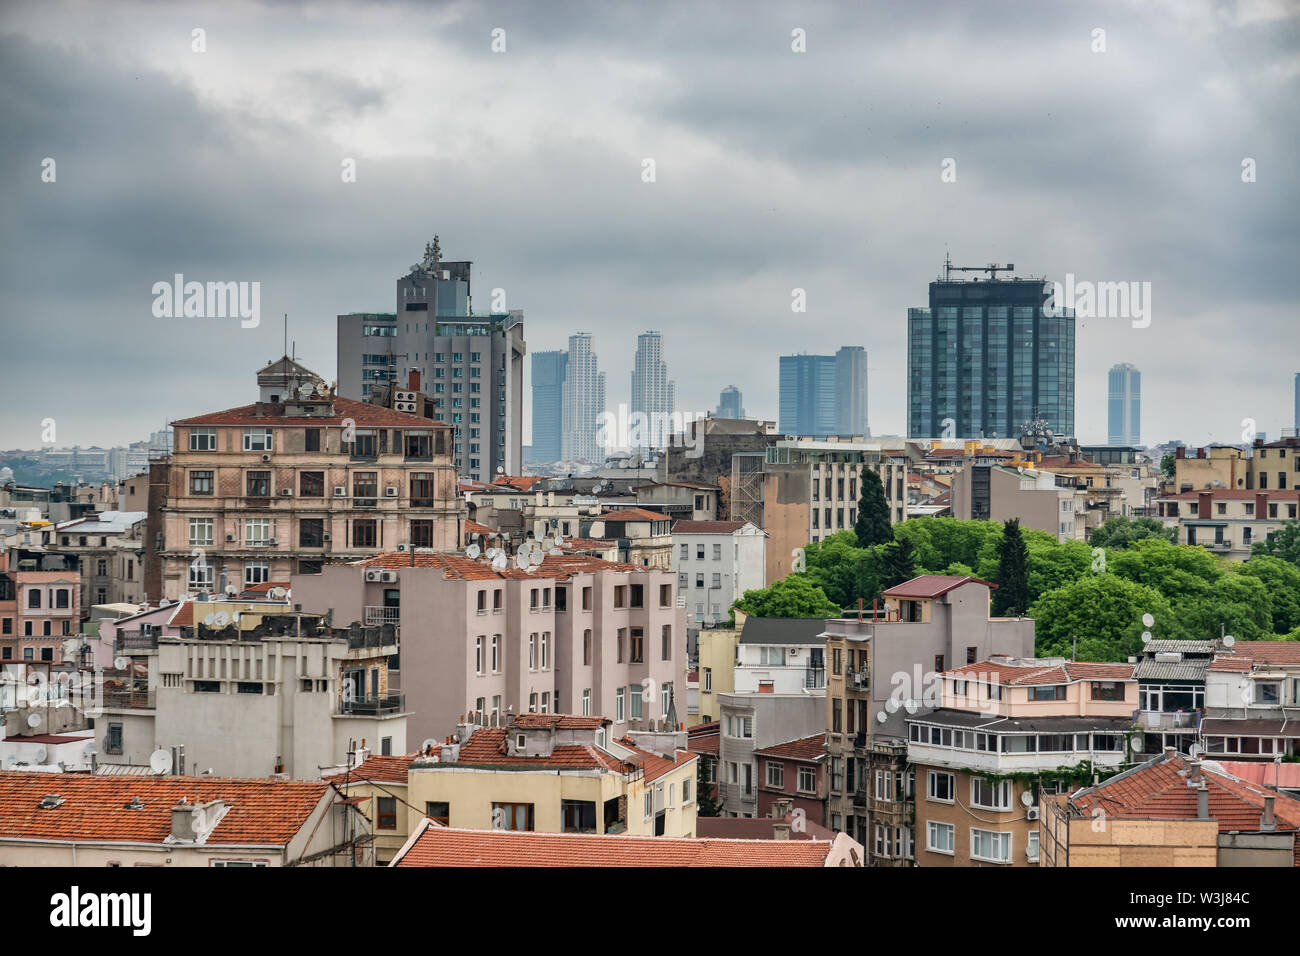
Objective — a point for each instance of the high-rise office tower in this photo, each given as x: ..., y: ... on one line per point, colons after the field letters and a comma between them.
x: 584, y: 401
x: 729, y: 404
x: 473, y: 364
x: 821, y: 395
x: 984, y: 360
x: 652, y: 393
x: 851, y: 391
x: 548, y: 405
x: 1297, y: 403
x: 1124, y: 405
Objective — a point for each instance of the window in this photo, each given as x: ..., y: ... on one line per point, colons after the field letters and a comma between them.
x: 665, y: 595
x: 1267, y: 692
x: 717, y: 552
x: 586, y: 646
x: 439, y: 811
x: 113, y: 740
x: 532, y: 651
x: 1052, y: 692
x: 666, y: 643
x: 942, y: 787
x: 990, y: 795
x: 586, y: 702
x: 311, y: 439
x: 423, y: 494
x: 200, y: 575
x: 686, y: 552
x: 496, y: 653
x: 200, y: 532
x: 939, y: 837
x: 257, y: 439
x: 478, y: 654
x: 257, y: 531
x: 200, y: 482
x: 365, y: 485
x: 1031, y: 851
x: 620, y: 714
x: 365, y: 533
x: 256, y: 572
x: 620, y: 596
x: 258, y: 484
x: 775, y: 774
x: 807, y: 780
x: 311, y: 484
x: 1107, y: 690
x: 634, y: 702
x: 512, y: 816
x: 990, y: 845
x: 637, y: 646
x: 203, y: 439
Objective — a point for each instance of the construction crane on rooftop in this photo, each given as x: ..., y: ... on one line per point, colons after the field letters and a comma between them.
x: 992, y: 268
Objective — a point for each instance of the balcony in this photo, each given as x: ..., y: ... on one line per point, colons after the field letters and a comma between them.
x: 376, y: 615
x: 130, y: 699
x: 814, y: 678
x: 373, y: 706
x: 859, y: 680
x: 1161, y: 720
x: 134, y: 640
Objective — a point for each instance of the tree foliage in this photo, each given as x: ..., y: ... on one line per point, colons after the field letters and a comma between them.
x: 1284, y: 543
x: 899, y: 564
x: 872, y: 526
x: 793, y: 596
x: 1012, y: 579
x: 1103, y: 612
x: 1119, y: 532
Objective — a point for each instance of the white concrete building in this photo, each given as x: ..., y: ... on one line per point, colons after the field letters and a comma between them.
x: 716, y: 563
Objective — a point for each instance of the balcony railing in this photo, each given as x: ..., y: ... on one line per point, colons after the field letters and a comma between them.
x: 1160, y: 720
x: 376, y: 615
x: 814, y: 677
x: 134, y: 640
x: 371, y: 706
x: 130, y: 699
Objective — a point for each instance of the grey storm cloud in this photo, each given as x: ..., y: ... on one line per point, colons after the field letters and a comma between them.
x: 775, y: 170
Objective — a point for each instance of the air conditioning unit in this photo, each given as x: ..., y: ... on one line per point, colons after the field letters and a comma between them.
x: 1031, y: 813
x: 390, y: 491
x: 266, y: 457
x: 404, y: 396
x: 325, y: 536
x: 794, y: 652
x: 373, y: 575
x: 286, y: 492
x: 271, y: 543
x: 388, y: 577
x: 405, y: 407
x: 230, y: 538
x: 403, y: 547
x: 340, y: 491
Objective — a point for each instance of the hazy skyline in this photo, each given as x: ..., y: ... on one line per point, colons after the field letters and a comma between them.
x: 774, y: 171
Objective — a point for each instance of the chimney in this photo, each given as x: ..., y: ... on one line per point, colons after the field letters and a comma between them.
x: 1203, y: 504
x: 1180, y: 453
x: 183, y: 822
x: 1203, y: 801
x: 1194, y: 776
x: 1171, y: 753
x: 780, y: 830
x: 1200, y: 453
x: 1267, y: 821
x: 1261, y: 505
x: 413, y: 380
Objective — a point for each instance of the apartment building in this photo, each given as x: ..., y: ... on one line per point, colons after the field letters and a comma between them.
x: 1274, y: 465
x: 378, y: 785
x: 716, y: 563
x: 40, y: 605
x: 1171, y: 694
x: 1228, y: 522
x: 301, y: 477
x: 1215, y: 466
x: 809, y: 491
x: 555, y: 773
x: 779, y: 685
x: 715, y: 655
x: 573, y: 634
x: 110, y: 547
x: 1006, y: 730
x: 1252, y: 702
x: 880, y: 669
x: 1041, y: 499
x: 97, y: 820
x: 644, y: 537
x: 1170, y: 811
x: 247, y: 691
x: 679, y: 500
x: 792, y: 780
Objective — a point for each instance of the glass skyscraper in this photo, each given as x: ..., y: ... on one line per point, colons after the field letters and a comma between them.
x: 806, y: 399
x: 1123, y: 405
x: 984, y: 361
x: 548, y: 405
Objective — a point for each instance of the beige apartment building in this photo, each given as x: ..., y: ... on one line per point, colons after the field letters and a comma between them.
x: 556, y: 773
x: 574, y: 634
x: 1055, y: 503
x: 1217, y: 466
x: 1274, y: 466
x: 247, y: 691
x: 1008, y: 730
x: 301, y: 477
x: 1228, y: 522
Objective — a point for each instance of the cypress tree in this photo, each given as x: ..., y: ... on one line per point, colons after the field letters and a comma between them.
x: 872, y: 526
x: 1012, y: 595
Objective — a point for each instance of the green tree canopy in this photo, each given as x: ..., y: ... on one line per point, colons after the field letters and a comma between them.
x: 1011, y: 597
x: 843, y: 570
x: 1119, y: 532
x: 793, y: 596
x: 1281, y: 588
x: 872, y: 526
x: 1103, y: 612
x: 899, y: 564
x: 1284, y: 543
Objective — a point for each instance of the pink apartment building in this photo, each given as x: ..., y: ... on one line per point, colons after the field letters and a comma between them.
x: 575, y: 635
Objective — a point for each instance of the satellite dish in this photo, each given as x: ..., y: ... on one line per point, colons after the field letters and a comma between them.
x: 160, y: 761
x: 40, y: 755
x: 1146, y: 637
x: 559, y: 543
x: 521, y: 559
x: 1229, y: 640
x: 121, y: 663
x: 891, y: 705
x: 500, y: 561
x: 208, y: 618
x: 881, y: 716
x: 473, y: 551
x: 1027, y: 798
x: 275, y: 592
x: 1194, y: 750
x: 33, y: 720
x: 220, y: 619
x: 10, y: 762
x: 428, y: 743
x: 1136, y: 743
x: 910, y: 706
x: 164, y: 603
x: 1148, y: 620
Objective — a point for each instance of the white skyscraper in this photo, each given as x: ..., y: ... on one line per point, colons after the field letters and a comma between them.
x: 583, y: 400
x: 652, y: 392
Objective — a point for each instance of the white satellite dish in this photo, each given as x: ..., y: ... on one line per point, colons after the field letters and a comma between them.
x: 891, y: 705
x: 160, y: 761
x: 40, y: 755
x: 1146, y: 637
x: 121, y: 663
x: 1027, y: 798
x: 910, y: 706
x: 500, y: 561
x: 1229, y: 640
x: 521, y: 559
x: 1136, y: 743
x: 276, y: 592
x: 473, y: 551
x: 164, y: 603
x: 430, y: 742
x: 1148, y: 620
x: 221, y: 619
x: 881, y: 716
x: 208, y: 618
x: 1194, y: 750
x: 33, y: 720
x: 559, y: 542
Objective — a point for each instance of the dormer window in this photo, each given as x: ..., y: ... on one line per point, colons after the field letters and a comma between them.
x: 521, y: 742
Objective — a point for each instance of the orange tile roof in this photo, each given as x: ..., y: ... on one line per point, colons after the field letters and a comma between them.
x: 560, y: 721
x: 362, y: 414
x: 446, y: 846
x: 932, y: 586
x: 1267, y: 652
x: 265, y: 812
x: 633, y: 514
x: 516, y: 482
x: 473, y: 527
x: 377, y: 767
x: 1024, y: 673
x: 707, y: 527
x: 806, y: 748
x: 1158, y: 790
x: 487, y: 747
x: 456, y: 565
x: 184, y: 616
x: 652, y: 765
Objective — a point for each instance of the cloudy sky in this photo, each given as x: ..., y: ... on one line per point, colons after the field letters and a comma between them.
x: 774, y: 170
